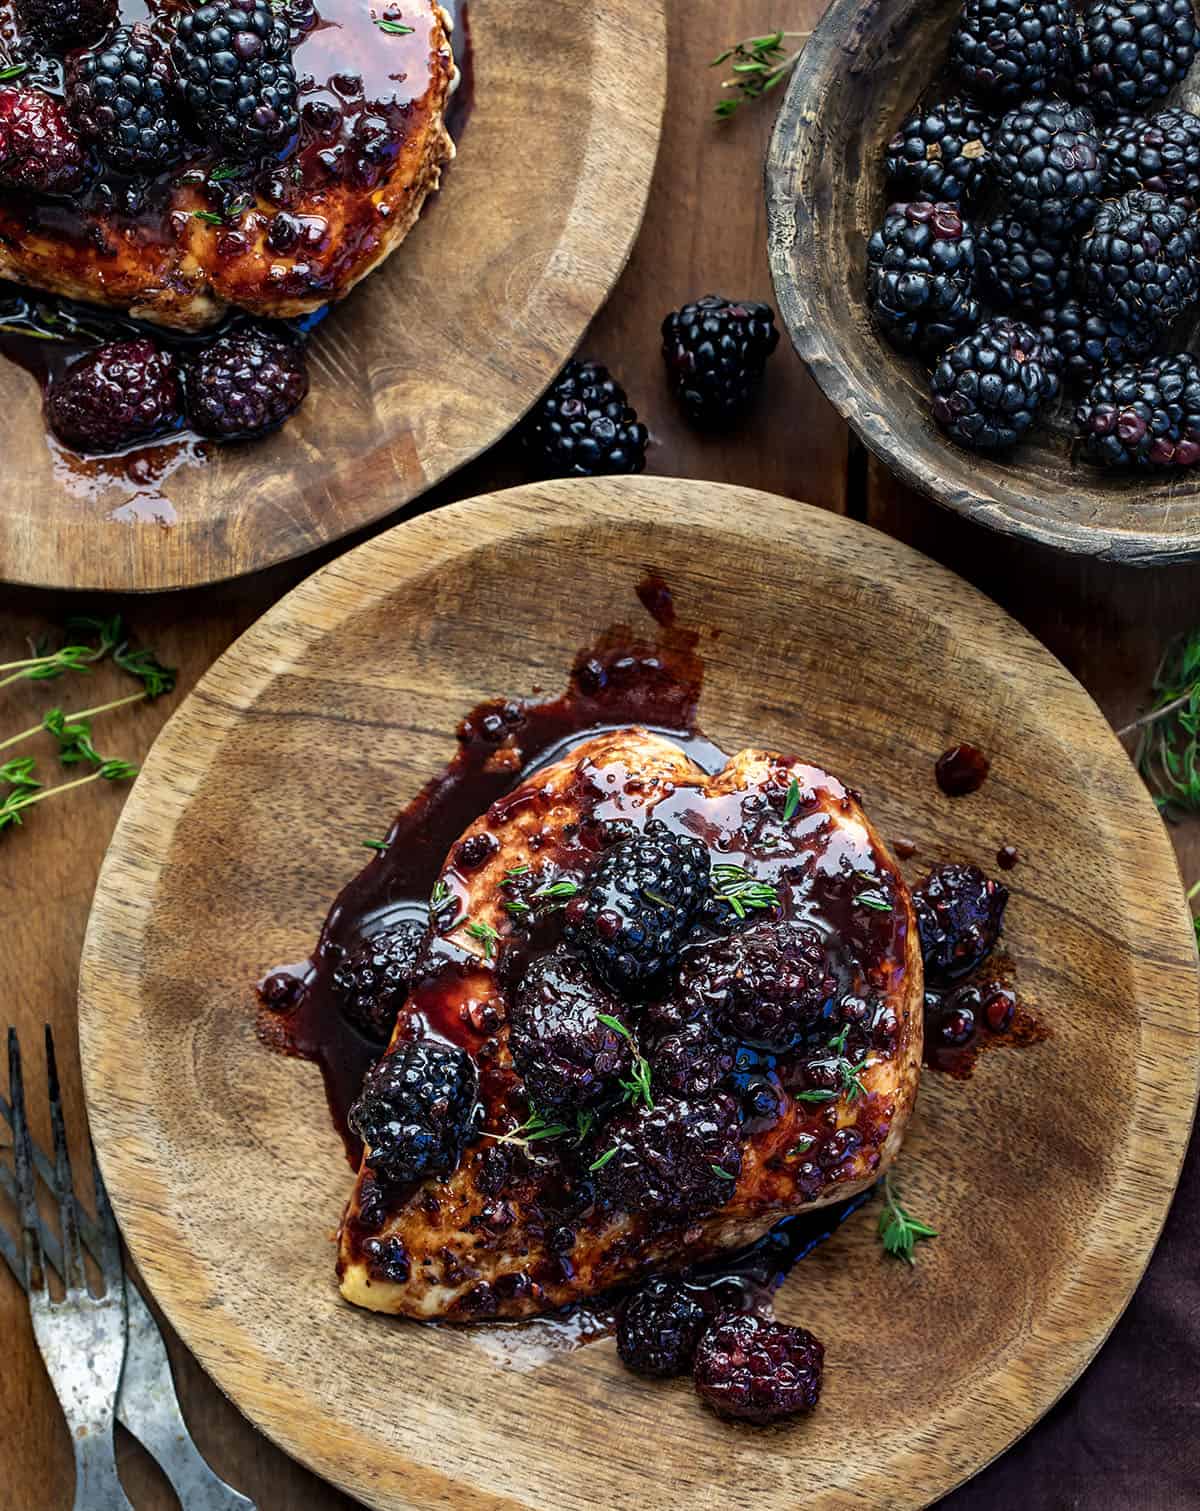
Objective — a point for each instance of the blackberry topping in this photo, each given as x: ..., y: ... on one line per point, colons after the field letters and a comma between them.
x: 416, y: 1111
x: 1089, y: 341
x: 1138, y: 261
x: 584, y: 426
x: 691, y: 1061
x: 566, y: 1056
x: 245, y: 384
x: 121, y: 99
x: 959, y: 913
x: 374, y: 981
x: 988, y: 390
x: 39, y: 150
x: 1022, y: 267
x: 1161, y: 154
x: 235, y: 72
x: 119, y: 393
x: 767, y: 986
x: 758, y: 1370
x: 920, y: 275
x: 1144, y: 415
x: 659, y: 1328
x: 1131, y: 52
x: 1008, y: 50
x: 1049, y: 164
x: 64, y: 24
x: 677, y: 1159
x: 716, y: 351
x: 940, y: 153
x: 634, y: 911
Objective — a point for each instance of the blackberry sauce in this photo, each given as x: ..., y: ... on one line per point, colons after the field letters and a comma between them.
x: 961, y: 770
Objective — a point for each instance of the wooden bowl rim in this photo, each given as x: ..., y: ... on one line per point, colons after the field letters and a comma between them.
x: 1107, y: 1268
x: 790, y: 242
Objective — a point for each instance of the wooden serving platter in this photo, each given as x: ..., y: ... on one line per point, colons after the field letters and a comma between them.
x: 429, y: 362
x: 1048, y: 1174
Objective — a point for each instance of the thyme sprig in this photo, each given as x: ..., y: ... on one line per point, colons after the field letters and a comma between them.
x: 12, y: 71
x: 756, y: 65
x: 743, y: 892
x: 637, y: 1088
x: 26, y: 793
x: 486, y: 935
x: 1167, y: 752
x: 848, y: 1071
x: 537, y: 1127
x: 898, y: 1231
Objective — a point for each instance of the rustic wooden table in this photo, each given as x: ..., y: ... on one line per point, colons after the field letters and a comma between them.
x: 705, y: 231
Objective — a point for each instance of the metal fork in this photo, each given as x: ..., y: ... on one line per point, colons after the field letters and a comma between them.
x: 146, y: 1404
x: 82, y: 1337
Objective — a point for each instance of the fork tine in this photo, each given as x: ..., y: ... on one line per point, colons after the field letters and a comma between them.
x: 45, y: 1169
x: 31, y: 1228
x: 74, y: 1275
x: 107, y: 1249
x: 50, y: 1246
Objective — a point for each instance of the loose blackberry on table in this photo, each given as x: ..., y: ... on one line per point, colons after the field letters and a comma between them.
x: 758, y: 1370
x: 122, y: 392
x: 921, y: 275
x: 1007, y: 50
x: 245, y: 384
x: 716, y: 352
x: 990, y: 388
x: 1146, y: 414
x: 940, y: 153
x: 659, y: 1328
x: 584, y: 426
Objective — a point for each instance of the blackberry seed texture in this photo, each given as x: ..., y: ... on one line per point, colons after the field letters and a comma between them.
x: 568, y: 1058
x: 1138, y: 260
x: 959, y: 914
x: 921, y: 274
x: 122, y: 100
x: 633, y: 912
x: 691, y: 1061
x: 1022, y: 267
x: 988, y: 390
x: 1008, y: 50
x: 123, y: 392
x: 716, y: 352
x: 1089, y: 341
x: 39, y: 150
x: 1161, y: 154
x: 1132, y: 52
x: 676, y: 1160
x: 416, y: 1111
x: 1048, y: 164
x: 757, y: 1370
x: 65, y: 24
x: 245, y: 384
x: 659, y: 1328
x: 940, y: 153
x: 584, y: 426
x: 235, y: 73
x: 1144, y: 415
x: 373, y: 982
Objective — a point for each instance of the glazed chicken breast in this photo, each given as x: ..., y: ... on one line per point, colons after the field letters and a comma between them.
x: 657, y: 1011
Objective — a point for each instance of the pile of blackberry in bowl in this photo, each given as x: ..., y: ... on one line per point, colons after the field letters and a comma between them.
x: 1040, y: 253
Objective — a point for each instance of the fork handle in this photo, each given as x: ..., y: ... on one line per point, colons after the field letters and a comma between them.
x: 97, y: 1487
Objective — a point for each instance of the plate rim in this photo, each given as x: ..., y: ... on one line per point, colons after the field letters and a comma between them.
x: 249, y: 666
x: 611, y: 259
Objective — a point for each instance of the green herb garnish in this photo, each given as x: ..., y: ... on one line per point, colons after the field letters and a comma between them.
x: 27, y: 792
x: 378, y: 845
x: 533, y: 1130
x: 898, y: 1231
x: 487, y: 937
x: 1167, y: 752
x: 792, y: 801
x: 440, y: 895
x: 13, y: 71
x: 394, y: 28
x: 599, y: 1164
x: 758, y: 65
x: 724, y: 1174
x: 637, y: 1088
x: 209, y: 217
x: 743, y: 892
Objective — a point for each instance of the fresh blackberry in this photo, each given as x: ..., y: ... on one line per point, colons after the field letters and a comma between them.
x: 245, y: 384
x: 1049, y: 164
x: 373, y: 981
x: 716, y: 351
x: 122, y: 100
x: 691, y: 1061
x: 235, y: 72
x: 65, y: 24
x: 123, y: 392
x: 1089, y: 341
x: 633, y: 912
x: 758, y: 1370
x: 659, y: 1328
x: 1144, y: 415
x: 940, y: 153
x: 1009, y: 50
x: 921, y: 274
x: 767, y: 986
x: 39, y: 150
x: 566, y: 1055
x: 416, y: 1111
x: 1138, y: 260
x: 584, y: 426
x: 1021, y: 267
x: 988, y: 389
x: 1132, y: 52
x: 959, y: 914
x: 678, y: 1160
x: 1161, y: 154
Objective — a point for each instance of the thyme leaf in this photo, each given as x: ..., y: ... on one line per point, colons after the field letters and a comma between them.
x: 487, y: 937
x: 757, y: 65
x: 792, y: 801
x: 743, y: 892
x: 1167, y: 752
x: 898, y: 1231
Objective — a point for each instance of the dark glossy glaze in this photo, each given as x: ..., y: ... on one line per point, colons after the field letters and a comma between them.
x: 999, y: 1018
x: 961, y: 770
x: 1008, y: 857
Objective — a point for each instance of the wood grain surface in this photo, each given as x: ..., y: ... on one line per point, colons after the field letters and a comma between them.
x: 705, y: 229
x: 865, y: 68
x: 429, y: 361
x: 221, y: 1161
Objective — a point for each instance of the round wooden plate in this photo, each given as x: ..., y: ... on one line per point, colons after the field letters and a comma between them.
x: 863, y: 70
x: 1048, y: 1174
x: 430, y: 361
